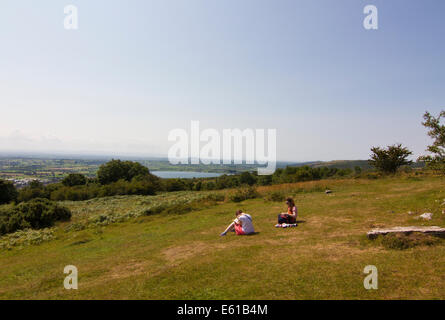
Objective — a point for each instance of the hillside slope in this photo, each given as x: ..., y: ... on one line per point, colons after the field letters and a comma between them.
x: 181, y: 256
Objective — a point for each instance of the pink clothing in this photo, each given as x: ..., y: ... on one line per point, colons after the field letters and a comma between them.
x: 239, y: 230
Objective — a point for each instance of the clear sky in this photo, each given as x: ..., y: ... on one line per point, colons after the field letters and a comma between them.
x: 134, y: 70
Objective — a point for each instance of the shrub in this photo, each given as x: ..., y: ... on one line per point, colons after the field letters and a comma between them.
x: 35, y: 190
x: 140, y: 185
x: 171, y: 185
x: 35, y: 214
x: 276, y: 196
x: 265, y: 180
x: 247, y: 178
x: 74, y: 179
x: 390, y: 159
x: 8, y: 192
x: 243, y: 193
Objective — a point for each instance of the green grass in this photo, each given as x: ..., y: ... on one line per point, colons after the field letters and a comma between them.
x: 181, y: 256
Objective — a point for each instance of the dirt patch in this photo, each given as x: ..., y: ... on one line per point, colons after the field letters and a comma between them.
x: 132, y: 268
x: 184, y: 252
x: 177, y: 254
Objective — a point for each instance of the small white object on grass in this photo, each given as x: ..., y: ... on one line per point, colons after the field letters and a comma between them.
x: 285, y: 225
x: 426, y: 216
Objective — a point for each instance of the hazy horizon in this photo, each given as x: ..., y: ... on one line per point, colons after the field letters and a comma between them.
x: 98, y: 155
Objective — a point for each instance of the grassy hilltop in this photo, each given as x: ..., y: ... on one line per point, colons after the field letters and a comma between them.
x: 168, y: 246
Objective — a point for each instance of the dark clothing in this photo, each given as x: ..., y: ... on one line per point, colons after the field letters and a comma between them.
x: 286, y: 218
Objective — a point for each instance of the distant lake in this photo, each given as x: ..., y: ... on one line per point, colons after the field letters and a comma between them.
x: 185, y: 174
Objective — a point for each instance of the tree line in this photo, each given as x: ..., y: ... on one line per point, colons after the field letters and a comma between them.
x: 118, y: 177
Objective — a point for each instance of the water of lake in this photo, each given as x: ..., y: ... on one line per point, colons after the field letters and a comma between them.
x: 185, y: 174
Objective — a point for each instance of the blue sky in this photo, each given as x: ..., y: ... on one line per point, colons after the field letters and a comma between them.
x: 134, y: 70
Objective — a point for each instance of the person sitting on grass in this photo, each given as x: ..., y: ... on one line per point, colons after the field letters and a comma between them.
x: 290, y: 217
x: 242, y: 225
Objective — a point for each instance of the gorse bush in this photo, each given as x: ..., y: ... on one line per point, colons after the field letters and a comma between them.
x: 35, y: 214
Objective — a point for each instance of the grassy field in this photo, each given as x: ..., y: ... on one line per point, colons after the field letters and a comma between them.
x: 181, y: 256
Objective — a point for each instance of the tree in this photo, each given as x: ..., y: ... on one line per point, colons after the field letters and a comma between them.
x: 436, y: 161
x: 115, y: 170
x: 247, y: 178
x: 74, y: 179
x: 35, y: 189
x: 390, y: 159
x: 8, y: 192
x: 265, y: 180
x: 36, y: 184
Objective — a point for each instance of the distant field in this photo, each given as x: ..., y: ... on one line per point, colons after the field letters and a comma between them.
x: 181, y: 256
x: 53, y: 170
x: 45, y: 169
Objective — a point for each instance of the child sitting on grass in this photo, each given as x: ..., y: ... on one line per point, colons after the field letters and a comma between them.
x: 242, y: 224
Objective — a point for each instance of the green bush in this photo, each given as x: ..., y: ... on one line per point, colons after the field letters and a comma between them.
x: 35, y: 190
x: 140, y: 185
x: 171, y: 185
x: 243, y: 193
x: 276, y: 196
x: 35, y: 214
x: 388, y: 160
x: 8, y: 192
x: 74, y: 179
x: 247, y: 178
